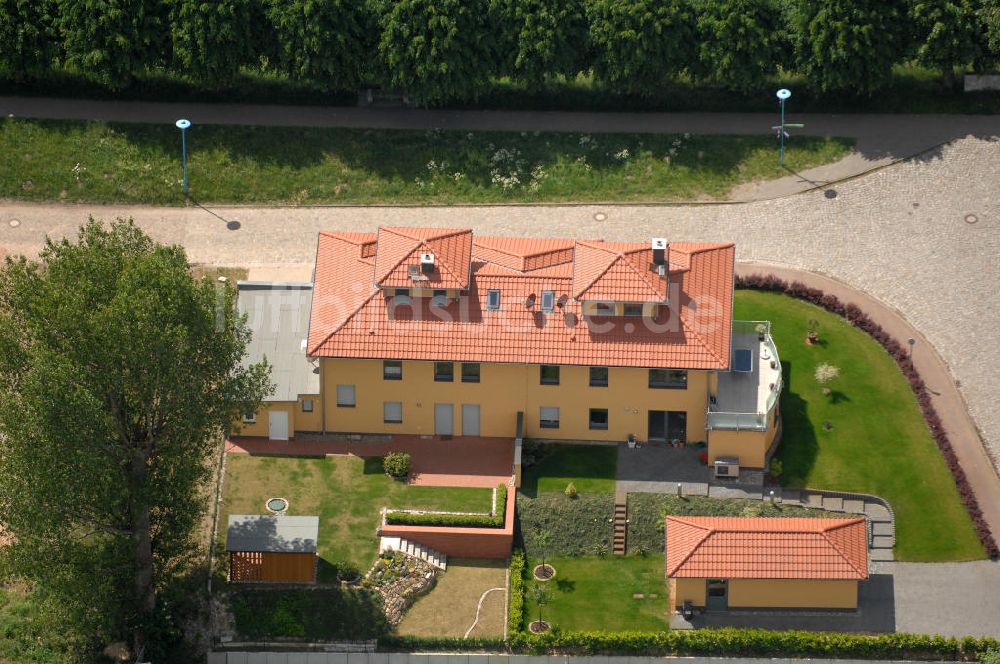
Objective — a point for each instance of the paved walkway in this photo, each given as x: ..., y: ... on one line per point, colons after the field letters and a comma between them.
x: 880, y: 138
x: 920, y: 238
x: 461, y: 461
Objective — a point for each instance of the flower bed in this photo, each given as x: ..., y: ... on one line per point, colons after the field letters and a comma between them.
x: 858, y: 318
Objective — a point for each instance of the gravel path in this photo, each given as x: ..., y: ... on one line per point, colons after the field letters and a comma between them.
x: 922, y: 236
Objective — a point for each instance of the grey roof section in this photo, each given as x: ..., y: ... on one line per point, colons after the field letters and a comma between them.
x: 278, y: 315
x: 272, y: 534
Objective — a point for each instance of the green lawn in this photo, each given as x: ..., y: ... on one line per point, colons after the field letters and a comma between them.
x: 329, y: 613
x: 879, y: 442
x: 345, y: 491
x: 590, y: 467
x: 597, y: 594
x: 76, y: 161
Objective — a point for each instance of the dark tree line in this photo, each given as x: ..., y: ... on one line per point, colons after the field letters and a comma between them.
x: 443, y: 50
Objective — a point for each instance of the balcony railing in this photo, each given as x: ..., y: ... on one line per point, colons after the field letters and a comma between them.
x: 752, y: 421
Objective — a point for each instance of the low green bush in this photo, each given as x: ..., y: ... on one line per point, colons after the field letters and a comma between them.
x: 646, y: 512
x: 571, y: 491
x: 578, y: 527
x: 515, y: 613
x: 436, y: 519
x: 727, y: 642
x: 396, y: 464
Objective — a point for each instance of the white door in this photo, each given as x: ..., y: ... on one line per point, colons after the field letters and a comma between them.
x: 470, y: 419
x: 277, y: 424
x: 444, y: 419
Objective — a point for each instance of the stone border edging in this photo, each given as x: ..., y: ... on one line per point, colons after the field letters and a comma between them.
x: 853, y: 314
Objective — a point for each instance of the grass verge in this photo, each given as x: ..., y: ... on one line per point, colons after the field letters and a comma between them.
x: 71, y: 161
x: 602, y: 594
x: 877, y: 441
x: 346, y: 492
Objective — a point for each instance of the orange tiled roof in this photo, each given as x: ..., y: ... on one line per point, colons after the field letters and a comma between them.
x: 766, y: 548
x: 616, y: 272
x: 399, y: 248
x: 353, y: 318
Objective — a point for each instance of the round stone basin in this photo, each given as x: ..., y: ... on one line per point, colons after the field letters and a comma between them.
x: 276, y: 505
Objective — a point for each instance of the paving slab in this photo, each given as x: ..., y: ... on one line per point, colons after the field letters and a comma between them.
x: 833, y: 503
x: 854, y: 506
x: 883, y: 528
x: 882, y: 542
x: 877, y: 512
x: 813, y: 500
x: 791, y: 496
x: 881, y: 555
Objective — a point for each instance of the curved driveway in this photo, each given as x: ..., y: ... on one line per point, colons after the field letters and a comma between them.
x: 922, y: 236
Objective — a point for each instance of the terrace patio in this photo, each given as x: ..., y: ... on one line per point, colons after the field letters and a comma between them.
x: 749, y: 390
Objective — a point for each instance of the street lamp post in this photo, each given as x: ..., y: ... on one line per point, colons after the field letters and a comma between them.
x: 183, y: 125
x: 783, y: 94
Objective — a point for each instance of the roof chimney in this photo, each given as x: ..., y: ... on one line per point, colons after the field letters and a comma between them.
x: 659, y: 251
x: 427, y: 263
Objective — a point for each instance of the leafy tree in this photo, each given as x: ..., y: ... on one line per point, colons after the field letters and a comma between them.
x: 541, y: 38
x: 113, y: 40
x: 948, y: 34
x: 540, y: 594
x: 638, y: 45
x: 850, y: 45
x: 989, y: 15
x: 211, y: 40
x: 438, y: 50
x: 27, y: 33
x: 740, y: 42
x: 323, y: 40
x: 118, y: 375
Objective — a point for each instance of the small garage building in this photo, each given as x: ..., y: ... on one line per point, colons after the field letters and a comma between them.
x: 759, y: 562
x: 276, y: 549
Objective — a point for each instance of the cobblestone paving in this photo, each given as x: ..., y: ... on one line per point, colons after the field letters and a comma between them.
x: 922, y: 236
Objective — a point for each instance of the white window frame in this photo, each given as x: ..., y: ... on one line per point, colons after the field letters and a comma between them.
x: 385, y: 412
x: 542, y: 419
x: 307, y: 405
x: 342, y: 403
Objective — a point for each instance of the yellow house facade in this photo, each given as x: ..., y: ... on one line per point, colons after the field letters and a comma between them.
x: 428, y: 332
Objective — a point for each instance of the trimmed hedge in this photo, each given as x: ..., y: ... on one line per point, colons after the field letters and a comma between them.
x: 579, y: 526
x: 646, y: 512
x: 435, y: 519
x: 859, y: 319
x: 727, y: 642
x: 515, y: 613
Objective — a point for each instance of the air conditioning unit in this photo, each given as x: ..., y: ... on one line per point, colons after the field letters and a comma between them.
x: 727, y: 467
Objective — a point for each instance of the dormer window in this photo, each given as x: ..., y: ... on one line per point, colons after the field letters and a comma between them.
x: 440, y: 298
x: 493, y: 299
x: 401, y: 297
x: 548, y: 300
x: 633, y: 310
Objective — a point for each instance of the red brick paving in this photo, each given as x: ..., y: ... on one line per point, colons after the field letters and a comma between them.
x: 461, y: 461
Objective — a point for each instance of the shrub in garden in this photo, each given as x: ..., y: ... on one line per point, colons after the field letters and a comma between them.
x: 515, y: 614
x: 577, y: 526
x: 396, y: 464
x: 775, y: 468
x: 571, y: 491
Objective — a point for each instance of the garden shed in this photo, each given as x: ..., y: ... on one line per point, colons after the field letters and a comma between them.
x: 276, y: 549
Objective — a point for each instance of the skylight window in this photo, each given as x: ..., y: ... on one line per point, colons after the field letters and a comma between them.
x: 548, y: 300
x: 493, y: 299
